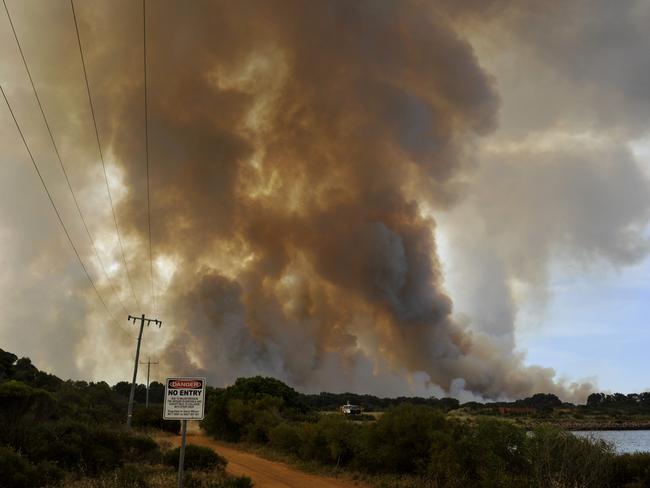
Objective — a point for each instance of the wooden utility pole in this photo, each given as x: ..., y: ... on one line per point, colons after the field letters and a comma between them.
x: 142, y: 320
x: 148, y: 363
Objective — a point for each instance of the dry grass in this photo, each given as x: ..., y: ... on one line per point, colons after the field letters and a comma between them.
x: 148, y: 476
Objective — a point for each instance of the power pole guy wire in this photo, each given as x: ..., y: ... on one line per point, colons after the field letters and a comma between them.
x: 56, y: 210
x: 101, y: 154
x: 142, y: 320
x: 58, y: 155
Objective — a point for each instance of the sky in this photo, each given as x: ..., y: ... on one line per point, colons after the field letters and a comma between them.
x: 425, y: 198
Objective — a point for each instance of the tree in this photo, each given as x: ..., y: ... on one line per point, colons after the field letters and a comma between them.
x: 7, y: 361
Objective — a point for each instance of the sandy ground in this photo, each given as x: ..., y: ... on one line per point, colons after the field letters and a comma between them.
x: 264, y: 473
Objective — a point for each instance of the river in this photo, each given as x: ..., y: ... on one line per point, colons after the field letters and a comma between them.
x: 622, y: 440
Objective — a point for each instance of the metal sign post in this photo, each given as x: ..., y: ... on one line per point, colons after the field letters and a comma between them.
x: 184, y: 400
x: 181, y: 456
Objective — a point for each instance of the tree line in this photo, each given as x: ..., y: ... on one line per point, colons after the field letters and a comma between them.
x: 55, y: 432
x: 419, y: 441
x: 50, y: 428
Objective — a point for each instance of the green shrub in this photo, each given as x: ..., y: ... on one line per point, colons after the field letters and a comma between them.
x: 237, y: 482
x: 151, y: 418
x: 491, y: 453
x: 449, y: 460
x: 561, y: 459
x: 196, y: 457
x: 339, y: 438
x: 632, y: 469
x: 131, y: 476
x: 362, y: 417
x: 139, y: 448
x: 77, y: 446
x: 311, y: 443
x: 223, y: 482
x: 20, y: 406
x: 49, y: 473
x: 249, y: 409
x: 15, y: 471
x: 400, y: 440
x: 286, y: 437
x: 18, y: 472
x: 499, y: 452
x: 83, y: 448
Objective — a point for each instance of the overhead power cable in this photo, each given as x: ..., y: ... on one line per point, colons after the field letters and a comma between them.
x: 58, y: 155
x: 56, y: 210
x: 146, y: 139
x: 101, y: 154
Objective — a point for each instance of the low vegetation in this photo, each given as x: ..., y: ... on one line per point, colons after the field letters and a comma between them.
x: 420, y: 443
x: 197, y: 458
x: 71, y: 433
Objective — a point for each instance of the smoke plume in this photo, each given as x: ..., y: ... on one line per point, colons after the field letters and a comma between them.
x: 300, y: 153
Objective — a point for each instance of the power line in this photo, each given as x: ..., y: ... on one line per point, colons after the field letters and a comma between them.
x: 146, y: 138
x: 101, y: 154
x: 56, y: 210
x: 58, y: 155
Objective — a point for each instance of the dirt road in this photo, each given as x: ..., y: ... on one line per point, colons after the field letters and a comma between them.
x: 264, y: 473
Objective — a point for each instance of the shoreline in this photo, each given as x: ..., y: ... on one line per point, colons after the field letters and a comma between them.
x: 607, y: 428
x: 588, y: 426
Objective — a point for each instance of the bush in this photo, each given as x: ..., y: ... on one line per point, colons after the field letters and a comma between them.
x: 500, y: 455
x: 400, y: 440
x: 449, y: 460
x: 238, y: 482
x: 15, y: 471
x: 131, y: 476
x: 286, y: 437
x: 561, y: 459
x: 197, y: 479
x: 196, y: 458
x: 49, y: 473
x: 139, y: 448
x: 22, y: 405
x: 18, y: 472
x: 151, y: 418
x: 251, y: 408
x: 224, y: 482
x: 75, y: 446
x: 632, y: 469
x: 339, y: 440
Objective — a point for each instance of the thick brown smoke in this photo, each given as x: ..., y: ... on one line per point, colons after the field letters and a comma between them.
x: 293, y: 146
x: 298, y: 153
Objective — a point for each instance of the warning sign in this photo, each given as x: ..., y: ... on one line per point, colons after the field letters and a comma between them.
x: 184, y: 399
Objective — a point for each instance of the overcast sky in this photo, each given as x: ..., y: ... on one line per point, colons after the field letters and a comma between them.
x: 433, y: 198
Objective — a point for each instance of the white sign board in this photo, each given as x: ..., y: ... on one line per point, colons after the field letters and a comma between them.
x: 184, y: 399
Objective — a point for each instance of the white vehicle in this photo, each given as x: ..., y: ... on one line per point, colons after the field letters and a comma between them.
x: 348, y: 409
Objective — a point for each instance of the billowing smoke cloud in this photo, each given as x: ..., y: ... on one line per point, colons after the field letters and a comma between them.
x: 299, y: 152
x: 289, y: 145
x: 559, y: 183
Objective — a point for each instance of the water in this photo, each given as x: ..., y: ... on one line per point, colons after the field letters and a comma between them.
x: 623, y: 440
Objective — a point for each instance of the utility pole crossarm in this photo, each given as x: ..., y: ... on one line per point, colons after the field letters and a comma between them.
x: 143, y: 320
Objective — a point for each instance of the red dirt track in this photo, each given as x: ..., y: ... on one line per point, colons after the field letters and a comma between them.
x: 264, y: 473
